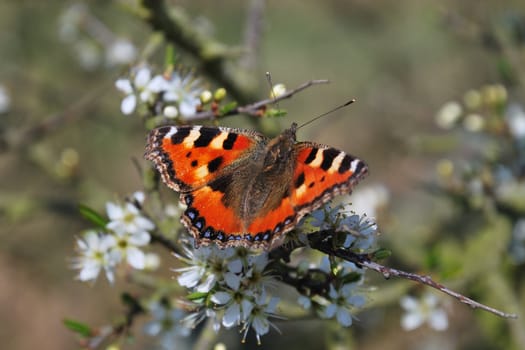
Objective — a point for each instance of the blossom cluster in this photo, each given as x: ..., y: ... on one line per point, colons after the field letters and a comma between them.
x: 231, y: 286
x: 126, y: 232
x: 360, y: 231
x: 170, y: 95
x: 494, y: 174
x: 342, y: 296
x: 236, y: 287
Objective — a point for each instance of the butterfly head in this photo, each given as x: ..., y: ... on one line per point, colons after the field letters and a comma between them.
x: 280, y: 149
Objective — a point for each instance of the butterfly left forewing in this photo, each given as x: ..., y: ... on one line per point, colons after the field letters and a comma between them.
x: 321, y: 173
x: 188, y: 157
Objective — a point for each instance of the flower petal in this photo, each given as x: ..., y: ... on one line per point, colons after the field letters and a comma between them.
x: 411, y: 321
x: 221, y: 298
x: 232, y: 316
x: 142, y: 77
x: 438, y: 320
x: 124, y: 85
x: 330, y: 311
x: 136, y: 258
x: 128, y: 104
x: 139, y: 238
x: 344, y: 317
x: 409, y: 303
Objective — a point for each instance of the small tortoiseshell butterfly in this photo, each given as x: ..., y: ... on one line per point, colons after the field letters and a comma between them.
x: 244, y: 189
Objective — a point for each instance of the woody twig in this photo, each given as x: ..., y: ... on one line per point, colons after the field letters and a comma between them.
x: 322, y: 242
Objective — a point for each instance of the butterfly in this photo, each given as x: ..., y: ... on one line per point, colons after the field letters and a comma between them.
x: 242, y: 188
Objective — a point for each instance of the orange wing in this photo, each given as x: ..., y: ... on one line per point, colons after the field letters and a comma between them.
x: 321, y: 173
x: 188, y: 157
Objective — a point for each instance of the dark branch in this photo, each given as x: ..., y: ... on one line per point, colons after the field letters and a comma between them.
x: 165, y: 242
x: 322, y: 242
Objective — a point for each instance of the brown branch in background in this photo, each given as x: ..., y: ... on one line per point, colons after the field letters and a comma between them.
x: 252, y: 35
x: 254, y: 108
x: 214, y: 56
x: 322, y: 242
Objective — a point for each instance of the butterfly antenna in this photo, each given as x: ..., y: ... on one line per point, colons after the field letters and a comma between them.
x: 326, y: 113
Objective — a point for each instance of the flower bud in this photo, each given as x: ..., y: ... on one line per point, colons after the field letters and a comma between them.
x: 170, y: 112
x: 219, y: 94
x: 206, y: 97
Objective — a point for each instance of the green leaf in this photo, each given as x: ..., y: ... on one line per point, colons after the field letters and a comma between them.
x: 78, y: 327
x: 196, y: 296
x: 92, y: 216
x: 352, y: 277
x: 272, y: 112
x: 228, y: 108
x: 170, y: 57
x: 381, y: 254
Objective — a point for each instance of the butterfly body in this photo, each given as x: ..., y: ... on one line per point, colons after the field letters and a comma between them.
x: 244, y: 189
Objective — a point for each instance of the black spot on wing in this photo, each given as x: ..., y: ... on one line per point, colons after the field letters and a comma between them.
x: 229, y: 141
x: 180, y: 135
x: 194, y: 163
x: 345, y: 164
x: 206, y: 136
x: 300, y: 180
x: 311, y: 156
x: 214, y: 164
x: 328, y: 158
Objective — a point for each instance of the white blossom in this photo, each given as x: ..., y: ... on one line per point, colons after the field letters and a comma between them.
x: 167, y: 324
x: 209, y: 266
x: 185, y: 90
x: 120, y: 51
x: 261, y: 309
x: 127, y: 247
x: 238, y: 306
x: 142, y: 85
x: 342, y: 301
x: 424, y: 310
x: 94, y: 255
x: 127, y: 218
x: 361, y: 230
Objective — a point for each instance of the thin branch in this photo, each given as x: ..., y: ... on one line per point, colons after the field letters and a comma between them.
x: 165, y: 242
x: 320, y: 241
x: 255, y: 108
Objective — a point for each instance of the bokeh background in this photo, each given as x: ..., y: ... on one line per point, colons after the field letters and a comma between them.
x: 64, y: 141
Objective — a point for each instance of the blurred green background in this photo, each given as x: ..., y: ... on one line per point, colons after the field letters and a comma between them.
x: 64, y: 141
